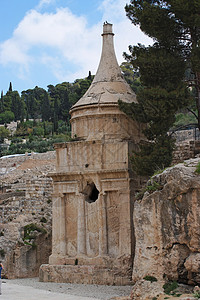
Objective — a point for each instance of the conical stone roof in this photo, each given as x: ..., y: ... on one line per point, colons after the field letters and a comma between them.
x: 108, y: 85
x: 96, y: 116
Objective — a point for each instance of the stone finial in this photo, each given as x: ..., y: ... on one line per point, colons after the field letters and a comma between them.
x: 107, y: 28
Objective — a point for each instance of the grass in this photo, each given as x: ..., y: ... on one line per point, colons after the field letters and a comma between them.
x: 198, y: 168
x: 150, y: 188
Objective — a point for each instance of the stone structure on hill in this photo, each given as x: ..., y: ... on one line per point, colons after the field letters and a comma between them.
x: 25, y: 213
x: 93, y: 239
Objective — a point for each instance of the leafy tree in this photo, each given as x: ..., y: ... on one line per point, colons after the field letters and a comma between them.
x: 1, y: 102
x: 175, y: 26
x: 162, y: 68
x: 7, y: 102
x: 55, y: 116
x: 6, y: 117
x: 45, y: 107
x: 63, y: 90
x: 4, y: 133
x: 131, y: 75
x: 16, y: 105
x: 60, y: 94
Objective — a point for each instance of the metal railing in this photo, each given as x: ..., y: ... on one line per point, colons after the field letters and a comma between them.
x: 186, y: 133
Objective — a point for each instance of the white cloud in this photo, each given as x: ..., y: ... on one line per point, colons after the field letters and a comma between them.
x: 45, y: 2
x: 126, y: 33
x: 12, y: 51
x: 38, y: 35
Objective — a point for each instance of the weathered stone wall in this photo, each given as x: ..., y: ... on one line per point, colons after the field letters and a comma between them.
x: 34, y: 199
x: 25, y: 199
x: 185, y: 150
x: 167, y: 227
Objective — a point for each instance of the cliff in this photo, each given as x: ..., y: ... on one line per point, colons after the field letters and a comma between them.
x: 167, y: 232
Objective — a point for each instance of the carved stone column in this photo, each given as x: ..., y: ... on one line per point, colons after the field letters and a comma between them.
x: 81, y: 232
x: 102, y: 214
x: 59, y: 226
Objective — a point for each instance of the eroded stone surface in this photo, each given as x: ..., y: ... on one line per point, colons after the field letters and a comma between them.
x: 167, y: 227
x: 146, y: 290
x: 25, y: 198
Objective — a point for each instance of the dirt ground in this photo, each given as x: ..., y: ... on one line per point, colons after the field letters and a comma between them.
x: 184, y: 296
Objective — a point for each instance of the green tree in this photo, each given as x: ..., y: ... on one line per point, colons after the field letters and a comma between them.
x: 131, y: 75
x: 175, y: 26
x: 6, y: 117
x: 10, y: 87
x: 45, y: 107
x: 7, y: 101
x: 162, y: 68
x: 16, y: 105
x: 4, y: 133
x: 1, y: 102
x: 55, y: 116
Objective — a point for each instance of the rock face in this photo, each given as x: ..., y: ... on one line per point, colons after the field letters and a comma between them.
x: 167, y: 230
x: 25, y: 213
x: 146, y: 290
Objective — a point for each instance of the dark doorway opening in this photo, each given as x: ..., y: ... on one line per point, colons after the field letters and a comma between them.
x: 91, y: 192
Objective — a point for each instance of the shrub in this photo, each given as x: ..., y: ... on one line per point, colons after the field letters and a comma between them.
x: 30, y: 234
x: 151, y: 187
x: 169, y: 287
x: 43, y: 220
x: 150, y: 278
x: 197, y: 295
x: 198, y: 168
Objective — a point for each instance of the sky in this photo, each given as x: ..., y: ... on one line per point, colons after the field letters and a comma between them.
x: 46, y: 42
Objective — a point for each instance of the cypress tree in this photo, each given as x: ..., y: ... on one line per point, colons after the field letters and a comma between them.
x: 10, y: 87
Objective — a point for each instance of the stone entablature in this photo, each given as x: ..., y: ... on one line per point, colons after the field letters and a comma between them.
x: 79, y: 156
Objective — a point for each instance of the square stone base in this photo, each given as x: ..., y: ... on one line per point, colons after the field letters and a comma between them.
x: 87, y: 274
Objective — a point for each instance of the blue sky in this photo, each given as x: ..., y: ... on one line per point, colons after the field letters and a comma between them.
x: 46, y: 42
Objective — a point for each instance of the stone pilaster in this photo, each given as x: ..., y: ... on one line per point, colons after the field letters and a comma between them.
x: 59, y: 226
x: 103, y: 238
x: 81, y: 232
x: 125, y: 231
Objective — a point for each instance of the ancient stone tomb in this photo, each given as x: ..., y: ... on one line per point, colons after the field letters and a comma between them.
x: 93, y: 240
